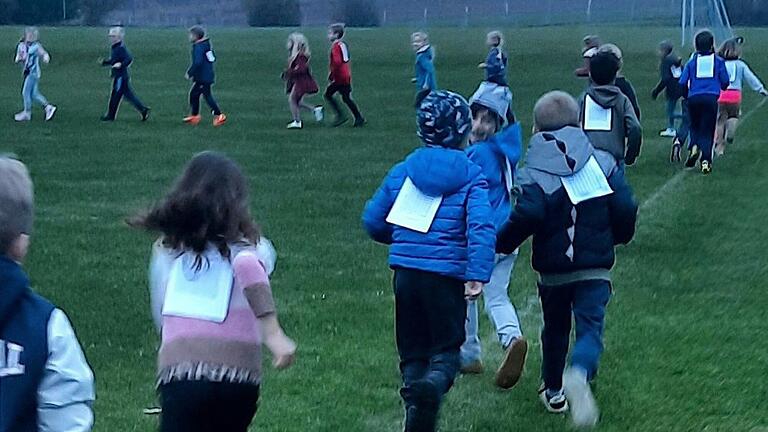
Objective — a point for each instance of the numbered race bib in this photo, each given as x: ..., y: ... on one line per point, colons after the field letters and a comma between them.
x: 587, y: 184
x: 210, y: 56
x: 705, y: 66
x: 597, y: 118
x: 202, y: 294
x: 677, y: 71
x: 413, y: 209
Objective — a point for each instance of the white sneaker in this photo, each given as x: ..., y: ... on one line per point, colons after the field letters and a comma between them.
x: 23, y: 116
x: 295, y: 125
x: 319, y: 115
x: 50, y: 111
x: 555, y: 403
x: 668, y: 133
x: 584, y: 411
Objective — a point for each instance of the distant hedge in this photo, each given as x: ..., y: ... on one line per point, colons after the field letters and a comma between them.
x: 748, y: 12
x: 357, y: 13
x: 273, y: 13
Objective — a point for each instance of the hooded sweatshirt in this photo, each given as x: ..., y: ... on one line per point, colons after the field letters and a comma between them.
x: 425, y: 68
x: 460, y: 241
x: 201, y: 71
x: 570, y: 242
x: 45, y: 383
x: 625, y: 138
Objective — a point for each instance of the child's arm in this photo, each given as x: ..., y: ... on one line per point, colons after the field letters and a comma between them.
x: 513, y: 136
x: 634, y: 132
x: 754, y: 81
x: 197, y: 61
x: 722, y: 74
x: 527, y: 215
x: 250, y: 273
x: 66, y: 393
x: 21, y: 53
x: 44, y: 55
x: 686, y: 76
x: 481, y: 234
x: 378, y: 208
x: 623, y: 208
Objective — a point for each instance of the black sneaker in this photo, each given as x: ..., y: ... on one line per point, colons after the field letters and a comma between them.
x: 145, y: 114
x: 555, y: 403
x: 359, y: 122
x: 105, y: 118
x: 422, y: 415
x: 693, y: 157
x: 677, y: 147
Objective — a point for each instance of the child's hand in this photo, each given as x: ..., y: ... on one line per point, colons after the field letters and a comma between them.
x: 482, y: 65
x: 283, y: 350
x: 46, y: 58
x: 764, y: 92
x: 414, y: 80
x: 473, y: 289
x: 117, y: 65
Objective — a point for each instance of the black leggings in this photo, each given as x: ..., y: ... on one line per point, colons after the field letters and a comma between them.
x: 201, y: 89
x: 346, y: 96
x: 121, y: 88
x: 703, y: 112
x: 203, y: 406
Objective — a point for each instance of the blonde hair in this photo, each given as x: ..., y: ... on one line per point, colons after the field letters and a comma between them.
x: 498, y: 36
x: 299, y: 45
x: 731, y: 49
x: 16, y: 202
x: 32, y: 31
x: 117, y: 31
x: 555, y: 110
x: 420, y: 35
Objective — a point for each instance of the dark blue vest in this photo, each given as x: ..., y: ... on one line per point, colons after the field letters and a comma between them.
x: 23, y: 354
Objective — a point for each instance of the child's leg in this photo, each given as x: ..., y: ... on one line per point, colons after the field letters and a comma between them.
x: 589, y: 303
x: 708, y: 126
x: 471, y: 350
x: 194, y: 99
x: 209, y: 99
x: 37, y: 96
x: 329, y: 97
x: 27, y: 92
x: 115, y: 97
x: 497, y: 304
x: 306, y: 105
x: 233, y: 407
x: 671, y: 115
x: 131, y: 97
x: 730, y: 129
x: 294, y: 106
x: 722, y: 118
x: 346, y: 96
x: 685, y: 123
x: 411, y: 331
x: 555, y: 336
x: 185, y: 406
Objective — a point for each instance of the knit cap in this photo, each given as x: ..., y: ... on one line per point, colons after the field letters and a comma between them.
x: 444, y: 119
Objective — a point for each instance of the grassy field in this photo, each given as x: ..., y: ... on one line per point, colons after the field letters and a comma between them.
x: 685, y: 344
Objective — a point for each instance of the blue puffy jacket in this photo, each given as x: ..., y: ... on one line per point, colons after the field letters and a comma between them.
x: 426, y: 77
x: 492, y: 156
x: 460, y: 243
x: 203, y: 59
x: 567, y: 238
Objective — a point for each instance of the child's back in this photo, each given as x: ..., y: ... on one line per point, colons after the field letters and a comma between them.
x: 496, y: 67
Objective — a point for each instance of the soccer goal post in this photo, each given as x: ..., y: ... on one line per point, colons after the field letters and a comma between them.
x: 699, y: 14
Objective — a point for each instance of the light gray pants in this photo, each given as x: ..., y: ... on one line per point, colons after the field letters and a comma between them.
x: 31, y: 93
x: 499, y: 309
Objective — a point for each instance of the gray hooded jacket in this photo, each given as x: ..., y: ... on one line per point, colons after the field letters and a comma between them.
x: 625, y: 138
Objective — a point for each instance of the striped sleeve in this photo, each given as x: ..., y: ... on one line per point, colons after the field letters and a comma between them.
x: 251, y: 275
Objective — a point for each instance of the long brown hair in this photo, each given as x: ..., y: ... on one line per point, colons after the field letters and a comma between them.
x: 208, y: 204
x: 731, y: 49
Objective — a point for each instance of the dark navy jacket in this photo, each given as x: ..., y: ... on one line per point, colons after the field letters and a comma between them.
x: 23, y: 347
x: 496, y: 67
x: 460, y: 242
x: 120, y: 54
x: 568, y: 238
x: 203, y: 58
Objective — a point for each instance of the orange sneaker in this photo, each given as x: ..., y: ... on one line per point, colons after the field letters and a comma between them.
x: 219, y: 120
x: 194, y: 120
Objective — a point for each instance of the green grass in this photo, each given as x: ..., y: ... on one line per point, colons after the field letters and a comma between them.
x: 685, y: 347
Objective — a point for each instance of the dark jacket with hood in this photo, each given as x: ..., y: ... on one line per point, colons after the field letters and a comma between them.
x: 203, y: 59
x: 24, y: 349
x: 670, y: 66
x: 570, y: 242
x: 120, y: 54
x: 625, y: 138
x: 460, y: 242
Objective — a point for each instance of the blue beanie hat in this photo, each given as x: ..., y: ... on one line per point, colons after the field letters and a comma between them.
x: 444, y: 119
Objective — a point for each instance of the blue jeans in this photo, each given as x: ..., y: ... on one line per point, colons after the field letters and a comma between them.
x: 672, y: 114
x: 583, y: 302
x: 31, y: 93
x: 685, y: 124
x: 499, y: 309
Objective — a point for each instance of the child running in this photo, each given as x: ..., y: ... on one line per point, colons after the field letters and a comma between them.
x: 670, y: 69
x: 730, y: 99
x: 496, y: 63
x: 30, y: 53
x: 212, y: 294
x: 705, y: 76
x: 574, y: 235
x: 426, y: 77
x: 607, y: 115
x: 119, y: 62
x: 496, y: 146
x: 621, y: 81
x: 203, y: 76
x: 437, y: 260
x: 340, y: 77
x: 47, y: 385
x: 299, y: 80
x: 590, y: 45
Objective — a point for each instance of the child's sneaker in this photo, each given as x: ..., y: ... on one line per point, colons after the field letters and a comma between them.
x: 556, y: 403
x: 514, y: 361
x: 319, y: 114
x: 50, y: 111
x: 145, y: 114
x: 219, y: 120
x: 360, y: 122
x: 193, y: 120
x: 295, y: 125
x: 584, y: 411
x: 693, y: 157
x: 706, y: 167
x: 473, y: 368
x: 23, y: 117
x: 668, y: 133
x: 426, y: 399
x: 677, y: 147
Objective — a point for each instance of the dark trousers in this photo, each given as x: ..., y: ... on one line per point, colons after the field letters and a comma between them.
x: 346, y: 95
x: 703, y: 109
x: 430, y: 311
x: 203, y: 406
x: 672, y: 114
x: 204, y: 90
x: 685, y: 122
x: 121, y: 88
x: 585, y: 303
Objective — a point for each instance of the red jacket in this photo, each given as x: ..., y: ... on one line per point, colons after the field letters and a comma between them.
x: 341, y: 72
